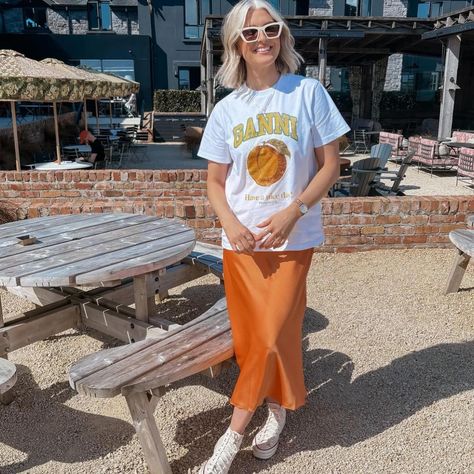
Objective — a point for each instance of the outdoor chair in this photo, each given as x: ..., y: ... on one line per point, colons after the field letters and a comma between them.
x: 465, y: 166
x: 70, y: 155
x: 360, y: 141
x: 382, y: 151
x: 431, y: 158
x: 361, y: 180
x: 396, y: 140
x: 397, y: 176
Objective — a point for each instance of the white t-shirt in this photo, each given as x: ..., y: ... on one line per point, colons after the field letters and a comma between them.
x: 269, y: 137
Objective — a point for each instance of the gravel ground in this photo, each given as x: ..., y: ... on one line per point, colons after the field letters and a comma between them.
x: 388, y: 367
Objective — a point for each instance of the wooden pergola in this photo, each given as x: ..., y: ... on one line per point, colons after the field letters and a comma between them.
x: 357, y: 41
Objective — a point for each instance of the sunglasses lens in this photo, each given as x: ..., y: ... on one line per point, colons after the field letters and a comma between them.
x: 272, y: 31
x: 250, y: 34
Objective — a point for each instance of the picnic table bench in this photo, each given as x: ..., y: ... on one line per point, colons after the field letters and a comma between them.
x: 141, y: 372
x: 463, y: 240
x: 7, y: 375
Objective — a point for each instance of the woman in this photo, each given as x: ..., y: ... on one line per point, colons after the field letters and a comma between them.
x: 273, y: 154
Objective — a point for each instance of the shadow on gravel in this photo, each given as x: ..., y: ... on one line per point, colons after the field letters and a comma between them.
x: 338, y: 411
x: 39, y: 425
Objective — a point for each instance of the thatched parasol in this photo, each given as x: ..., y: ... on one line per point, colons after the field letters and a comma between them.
x: 25, y: 79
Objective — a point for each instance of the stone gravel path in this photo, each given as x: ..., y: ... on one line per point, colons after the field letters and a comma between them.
x: 388, y: 367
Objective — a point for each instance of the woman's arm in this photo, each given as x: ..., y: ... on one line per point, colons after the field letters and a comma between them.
x: 279, y: 225
x: 240, y: 238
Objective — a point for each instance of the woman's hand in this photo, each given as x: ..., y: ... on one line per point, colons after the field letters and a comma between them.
x: 240, y: 238
x: 277, y: 227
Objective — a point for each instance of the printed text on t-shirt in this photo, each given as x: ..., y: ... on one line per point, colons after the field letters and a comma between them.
x: 270, y: 123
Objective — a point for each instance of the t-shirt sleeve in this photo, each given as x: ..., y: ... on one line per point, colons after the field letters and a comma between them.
x: 328, y: 123
x: 213, y: 146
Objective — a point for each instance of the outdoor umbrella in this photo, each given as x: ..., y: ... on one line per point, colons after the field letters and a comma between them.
x: 118, y: 87
x: 94, y: 86
x: 24, y: 79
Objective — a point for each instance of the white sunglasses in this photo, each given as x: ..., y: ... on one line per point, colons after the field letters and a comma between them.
x: 271, y: 31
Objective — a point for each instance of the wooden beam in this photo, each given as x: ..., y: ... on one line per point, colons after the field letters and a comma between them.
x: 449, y: 86
x: 323, y: 59
x: 38, y: 324
x: 122, y: 327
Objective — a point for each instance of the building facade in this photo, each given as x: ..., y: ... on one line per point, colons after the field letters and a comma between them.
x: 100, y: 34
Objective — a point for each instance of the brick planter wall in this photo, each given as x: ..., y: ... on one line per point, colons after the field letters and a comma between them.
x: 351, y: 224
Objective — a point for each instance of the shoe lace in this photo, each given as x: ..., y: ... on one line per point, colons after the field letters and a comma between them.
x: 222, y: 457
x: 272, y: 424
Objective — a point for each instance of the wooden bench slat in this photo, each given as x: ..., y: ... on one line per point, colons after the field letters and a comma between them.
x: 58, y: 271
x: 45, y: 254
x: 7, y: 375
x: 93, y: 363
x: 66, y: 225
x: 141, y: 265
x: 108, y: 382
x: 463, y: 239
x: 194, y: 361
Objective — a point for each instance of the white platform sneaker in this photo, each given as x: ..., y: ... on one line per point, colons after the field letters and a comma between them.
x: 225, y: 450
x: 265, y: 442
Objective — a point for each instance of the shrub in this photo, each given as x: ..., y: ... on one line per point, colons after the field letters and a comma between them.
x: 176, y: 101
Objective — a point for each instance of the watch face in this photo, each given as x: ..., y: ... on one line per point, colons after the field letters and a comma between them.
x: 303, y: 208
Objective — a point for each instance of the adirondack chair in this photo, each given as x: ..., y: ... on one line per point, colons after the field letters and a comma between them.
x: 397, y: 176
x: 361, y: 179
x: 382, y: 151
x: 463, y: 240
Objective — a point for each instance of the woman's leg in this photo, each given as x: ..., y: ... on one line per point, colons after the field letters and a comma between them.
x: 240, y: 420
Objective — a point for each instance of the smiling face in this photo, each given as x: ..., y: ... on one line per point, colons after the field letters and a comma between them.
x: 263, y: 52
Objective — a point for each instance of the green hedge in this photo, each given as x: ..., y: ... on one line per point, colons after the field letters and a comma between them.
x: 170, y: 100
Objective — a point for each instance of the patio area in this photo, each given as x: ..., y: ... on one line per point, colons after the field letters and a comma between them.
x: 388, y: 369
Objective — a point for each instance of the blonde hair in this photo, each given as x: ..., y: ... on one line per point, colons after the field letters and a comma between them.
x: 233, y: 72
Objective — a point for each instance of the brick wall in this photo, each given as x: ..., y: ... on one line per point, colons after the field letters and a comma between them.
x: 351, y: 224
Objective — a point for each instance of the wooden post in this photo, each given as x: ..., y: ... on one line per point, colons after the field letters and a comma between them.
x: 144, y: 292
x: 56, y: 132
x: 203, y: 92
x: 85, y: 114
x: 323, y: 59
x: 209, y: 76
x: 15, y: 136
x: 110, y: 110
x: 97, y: 116
x: 148, y: 434
x: 449, y: 86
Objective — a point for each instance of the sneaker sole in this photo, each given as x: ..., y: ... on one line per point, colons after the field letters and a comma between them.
x: 264, y: 453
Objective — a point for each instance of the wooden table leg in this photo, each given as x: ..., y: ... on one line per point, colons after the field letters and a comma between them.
x: 141, y: 409
x: 458, y: 268
x: 144, y: 293
x: 7, y: 397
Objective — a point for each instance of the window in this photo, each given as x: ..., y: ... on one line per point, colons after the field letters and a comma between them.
x: 189, y: 78
x: 35, y: 17
x: 195, y: 12
x: 121, y: 67
x: 351, y: 8
x: 429, y: 9
x: 99, y: 15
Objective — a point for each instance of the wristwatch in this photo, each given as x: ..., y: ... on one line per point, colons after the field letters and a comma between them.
x: 301, y: 206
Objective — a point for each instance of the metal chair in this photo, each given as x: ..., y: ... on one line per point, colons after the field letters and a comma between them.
x: 360, y: 141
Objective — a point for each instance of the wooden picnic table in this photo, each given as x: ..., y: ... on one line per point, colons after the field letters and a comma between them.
x: 124, y: 256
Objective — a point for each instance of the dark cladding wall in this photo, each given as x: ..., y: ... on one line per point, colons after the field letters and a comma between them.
x: 171, y: 48
x: 90, y: 46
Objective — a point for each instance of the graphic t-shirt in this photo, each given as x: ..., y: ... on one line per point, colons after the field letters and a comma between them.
x: 268, y: 137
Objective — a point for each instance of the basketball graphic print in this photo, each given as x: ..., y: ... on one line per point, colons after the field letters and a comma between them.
x: 266, y: 162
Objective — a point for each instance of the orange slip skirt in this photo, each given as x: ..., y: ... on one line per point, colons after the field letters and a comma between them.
x: 266, y: 300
